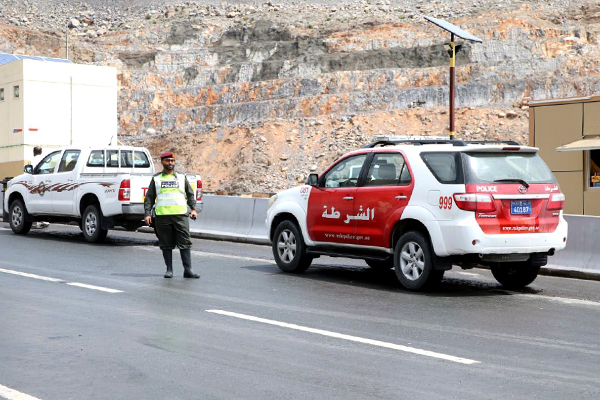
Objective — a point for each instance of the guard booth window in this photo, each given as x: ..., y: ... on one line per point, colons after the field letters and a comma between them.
x: 594, y: 168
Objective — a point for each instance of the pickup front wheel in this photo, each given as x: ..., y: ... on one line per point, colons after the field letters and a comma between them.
x: 91, y: 224
x: 16, y: 217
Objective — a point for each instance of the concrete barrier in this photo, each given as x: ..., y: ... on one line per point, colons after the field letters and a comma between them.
x: 581, y: 257
x: 240, y: 219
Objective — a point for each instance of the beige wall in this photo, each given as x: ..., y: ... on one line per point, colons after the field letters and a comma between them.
x: 11, y: 113
x: 571, y: 184
x: 591, y: 119
x: 11, y: 169
x: 555, y: 126
x: 60, y: 104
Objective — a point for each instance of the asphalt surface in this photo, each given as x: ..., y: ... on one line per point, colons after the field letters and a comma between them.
x: 245, y: 330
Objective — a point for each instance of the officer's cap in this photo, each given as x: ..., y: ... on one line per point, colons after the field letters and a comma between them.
x: 167, y: 154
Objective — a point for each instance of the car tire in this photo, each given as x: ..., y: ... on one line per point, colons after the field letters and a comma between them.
x: 515, y: 275
x: 413, y: 262
x: 17, y: 217
x: 380, y: 265
x: 91, y: 223
x: 289, y: 249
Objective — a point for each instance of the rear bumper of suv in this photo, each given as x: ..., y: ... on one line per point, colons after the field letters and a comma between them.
x: 470, y: 239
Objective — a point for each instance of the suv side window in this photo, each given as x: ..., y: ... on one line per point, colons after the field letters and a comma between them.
x: 47, y: 165
x: 68, y: 161
x: 388, y: 169
x: 345, y: 173
x: 446, y: 167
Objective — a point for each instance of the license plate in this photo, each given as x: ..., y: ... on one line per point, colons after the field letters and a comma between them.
x: 520, y: 207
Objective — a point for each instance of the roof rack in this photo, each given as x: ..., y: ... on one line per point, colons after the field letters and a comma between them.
x: 415, y: 142
x: 510, y: 142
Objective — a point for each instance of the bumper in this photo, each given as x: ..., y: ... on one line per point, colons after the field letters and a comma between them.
x: 459, y: 240
x: 133, y: 209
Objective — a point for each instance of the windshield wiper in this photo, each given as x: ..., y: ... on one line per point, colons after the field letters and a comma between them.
x: 521, y: 181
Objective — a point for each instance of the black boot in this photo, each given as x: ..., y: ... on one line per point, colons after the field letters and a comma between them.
x: 186, y: 260
x: 168, y: 256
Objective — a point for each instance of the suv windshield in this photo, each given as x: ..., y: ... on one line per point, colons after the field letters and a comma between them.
x: 506, y: 168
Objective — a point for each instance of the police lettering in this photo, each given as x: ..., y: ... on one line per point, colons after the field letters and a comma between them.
x: 169, y: 184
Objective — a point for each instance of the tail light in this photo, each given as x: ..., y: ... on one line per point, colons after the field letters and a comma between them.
x: 198, y: 190
x: 475, y: 202
x: 556, y: 202
x: 125, y: 190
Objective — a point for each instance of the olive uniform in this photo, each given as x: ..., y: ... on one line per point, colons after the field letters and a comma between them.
x: 173, y: 198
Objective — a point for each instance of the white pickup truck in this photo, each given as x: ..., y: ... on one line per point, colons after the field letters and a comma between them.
x: 97, y: 187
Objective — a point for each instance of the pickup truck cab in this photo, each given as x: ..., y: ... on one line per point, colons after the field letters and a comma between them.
x: 96, y: 187
x: 422, y: 206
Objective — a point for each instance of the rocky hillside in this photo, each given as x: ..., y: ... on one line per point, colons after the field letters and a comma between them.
x: 255, y: 96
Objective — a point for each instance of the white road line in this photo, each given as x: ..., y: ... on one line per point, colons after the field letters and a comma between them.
x: 43, y: 278
x: 466, y: 273
x: 372, y: 342
x: 207, y: 254
x: 12, y: 394
x: 102, y: 289
x: 56, y: 280
x: 560, y: 300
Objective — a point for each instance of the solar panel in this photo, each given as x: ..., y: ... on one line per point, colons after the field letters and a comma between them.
x: 6, y: 58
x: 453, y: 29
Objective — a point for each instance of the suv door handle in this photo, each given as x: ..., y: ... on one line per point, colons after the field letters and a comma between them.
x: 348, y: 198
x: 401, y: 197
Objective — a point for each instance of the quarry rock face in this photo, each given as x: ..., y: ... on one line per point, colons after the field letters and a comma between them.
x: 256, y: 97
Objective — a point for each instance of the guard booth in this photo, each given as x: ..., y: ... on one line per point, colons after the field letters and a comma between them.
x: 567, y: 132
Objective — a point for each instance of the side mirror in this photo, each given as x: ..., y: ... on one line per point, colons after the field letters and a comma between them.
x: 28, y: 169
x: 313, y: 180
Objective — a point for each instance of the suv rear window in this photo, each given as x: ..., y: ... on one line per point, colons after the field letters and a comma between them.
x: 446, y: 166
x: 494, y: 167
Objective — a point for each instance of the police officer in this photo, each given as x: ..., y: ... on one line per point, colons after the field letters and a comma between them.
x: 174, y: 200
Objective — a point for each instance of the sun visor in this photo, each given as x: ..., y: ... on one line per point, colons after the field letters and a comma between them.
x: 582, y: 144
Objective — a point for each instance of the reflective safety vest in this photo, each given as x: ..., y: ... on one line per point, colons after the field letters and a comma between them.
x: 170, y: 194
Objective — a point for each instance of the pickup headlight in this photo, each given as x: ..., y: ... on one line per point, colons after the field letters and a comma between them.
x: 272, y: 200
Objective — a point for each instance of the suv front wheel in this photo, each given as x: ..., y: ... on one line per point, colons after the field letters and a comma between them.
x: 413, y: 262
x: 289, y: 249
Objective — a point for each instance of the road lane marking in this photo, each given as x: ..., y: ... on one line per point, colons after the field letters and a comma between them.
x: 466, y: 273
x: 12, y: 394
x: 564, y: 300
x: 34, y: 276
x: 336, y: 335
x: 100, y: 288
x: 56, y: 280
x: 207, y: 254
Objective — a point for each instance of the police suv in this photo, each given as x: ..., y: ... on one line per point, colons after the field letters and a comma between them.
x: 422, y: 205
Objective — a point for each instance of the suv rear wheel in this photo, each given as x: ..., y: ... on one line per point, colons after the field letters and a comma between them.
x: 289, y: 248
x: 515, y: 275
x: 413, y: 262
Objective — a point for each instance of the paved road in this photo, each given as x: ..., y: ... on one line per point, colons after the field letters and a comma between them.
x: 108, y: 326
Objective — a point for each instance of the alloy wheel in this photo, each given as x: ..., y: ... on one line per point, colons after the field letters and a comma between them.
x: 286, y: 246
x: 412, y: 261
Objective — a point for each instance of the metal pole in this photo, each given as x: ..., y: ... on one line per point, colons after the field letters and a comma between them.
x: 67, y: 41
x: 452, y: 64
